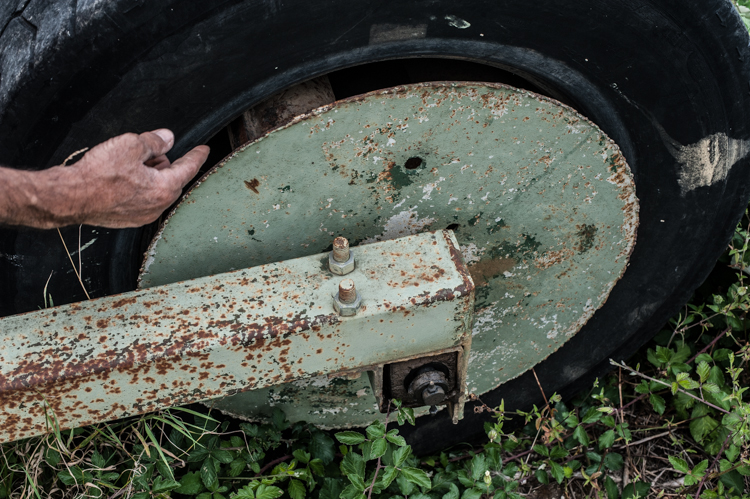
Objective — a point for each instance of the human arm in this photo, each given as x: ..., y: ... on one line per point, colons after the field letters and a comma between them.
x: 126, y: 181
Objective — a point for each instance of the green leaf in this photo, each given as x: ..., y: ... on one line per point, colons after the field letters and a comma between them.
x: 642, y: 387
x: 161, y: 485
x: 236, y: 467
x: 556, y: 471
x: 472, y: 494
x: 198, y: 455
x: 702, y: 424
x: 317, y: 467
x: 353, y: 464
x: 416, y: 476
x: 716, y: 376
x: 613, y: 461
x: 378, y: 448
x: 69, y: 478
x: 351, y: 492
x: 296, y: 489
x: 734, y: 480
x: 464, y: 479
x: 683, y: 353
x: 542, y: 476
x: 208, y: 472
x: 400, y: 455
x: 657, y: 402
x: 301, y: 456
x: 679, y: 464
x: 478, y: 466
x: 268, y: 492
x: 357, y: 481
x: 683, y: 379
x: 591, y: 416
x: 558, y: 452
x: 633, y: 488
x: 375, y: 430
x: 683, y: 402
x: 406, y: 415
x: 542, y: 450
x: 350, y: 437
x: 404, y: 485
x: 704, y: 357
x: 606, y: 439
x: 322, y: 447
x: 700, y: 469
x: 394, y: 438
x: 452, y: 492
x: 331, y: 489
x: 250, y: 430
x: 711, y: 388
x: 580, y: 434
x: 703, y: 370
x: 98, y: 460
x: 732, y: 452
x: 611, y: 487
x: 387, y: 476
x: 191, y: 484
x: 223, y: 456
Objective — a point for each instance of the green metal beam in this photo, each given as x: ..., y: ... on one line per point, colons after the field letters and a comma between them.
x: 204, y: 338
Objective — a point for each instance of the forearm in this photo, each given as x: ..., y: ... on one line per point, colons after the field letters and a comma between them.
x: 40, y: 199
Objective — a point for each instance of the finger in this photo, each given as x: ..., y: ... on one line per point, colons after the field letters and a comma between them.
x: 156, y: 143
x: 159, y: 163
x: 185, y: 168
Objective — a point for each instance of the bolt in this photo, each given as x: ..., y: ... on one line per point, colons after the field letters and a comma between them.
x: 347, y: 301
x: 433, y: 394
x: 340, y: 249
x: 347, y: 291
x: 340, y: 260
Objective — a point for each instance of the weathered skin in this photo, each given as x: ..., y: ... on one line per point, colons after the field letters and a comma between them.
x: 196, y: 340
x: 541, y: 202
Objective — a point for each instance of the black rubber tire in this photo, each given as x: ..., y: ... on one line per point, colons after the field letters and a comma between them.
x: 650, y: 73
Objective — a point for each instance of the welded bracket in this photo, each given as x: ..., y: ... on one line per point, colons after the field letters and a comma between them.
x: 196, y: 340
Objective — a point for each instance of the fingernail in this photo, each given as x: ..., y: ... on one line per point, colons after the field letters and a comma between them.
x: 166, y: 135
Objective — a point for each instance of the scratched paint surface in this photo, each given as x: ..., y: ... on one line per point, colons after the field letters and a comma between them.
x: 541, y: 202
x: 194, y: 340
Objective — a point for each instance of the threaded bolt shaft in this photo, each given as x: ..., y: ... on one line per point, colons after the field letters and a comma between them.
x: 347, y: 292
x: 340, y: 249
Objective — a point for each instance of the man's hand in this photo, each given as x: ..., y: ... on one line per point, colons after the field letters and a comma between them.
x: 126, y: 181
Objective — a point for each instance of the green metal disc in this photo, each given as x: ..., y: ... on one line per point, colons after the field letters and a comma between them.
x: 541, y: 201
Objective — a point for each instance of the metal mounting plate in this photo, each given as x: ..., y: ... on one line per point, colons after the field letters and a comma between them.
x: 541, y: 202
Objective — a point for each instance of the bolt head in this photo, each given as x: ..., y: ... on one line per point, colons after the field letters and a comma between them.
x: 433, y: 395
x: 341, y: 268
x: 347, y: 309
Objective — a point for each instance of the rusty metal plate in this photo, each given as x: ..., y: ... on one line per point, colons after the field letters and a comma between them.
x: 195, y: 340
x: 541, y: 201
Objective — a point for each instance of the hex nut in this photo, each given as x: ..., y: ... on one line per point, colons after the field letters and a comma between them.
x: 341, y: 268
x: 347, y: 309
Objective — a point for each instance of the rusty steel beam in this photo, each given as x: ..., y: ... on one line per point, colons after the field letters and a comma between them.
x: 195, y: 340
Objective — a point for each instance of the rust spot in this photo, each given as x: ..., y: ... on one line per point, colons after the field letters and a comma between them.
x: 253, y: 185
x: 124, y: 301
x: 483, y: 271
